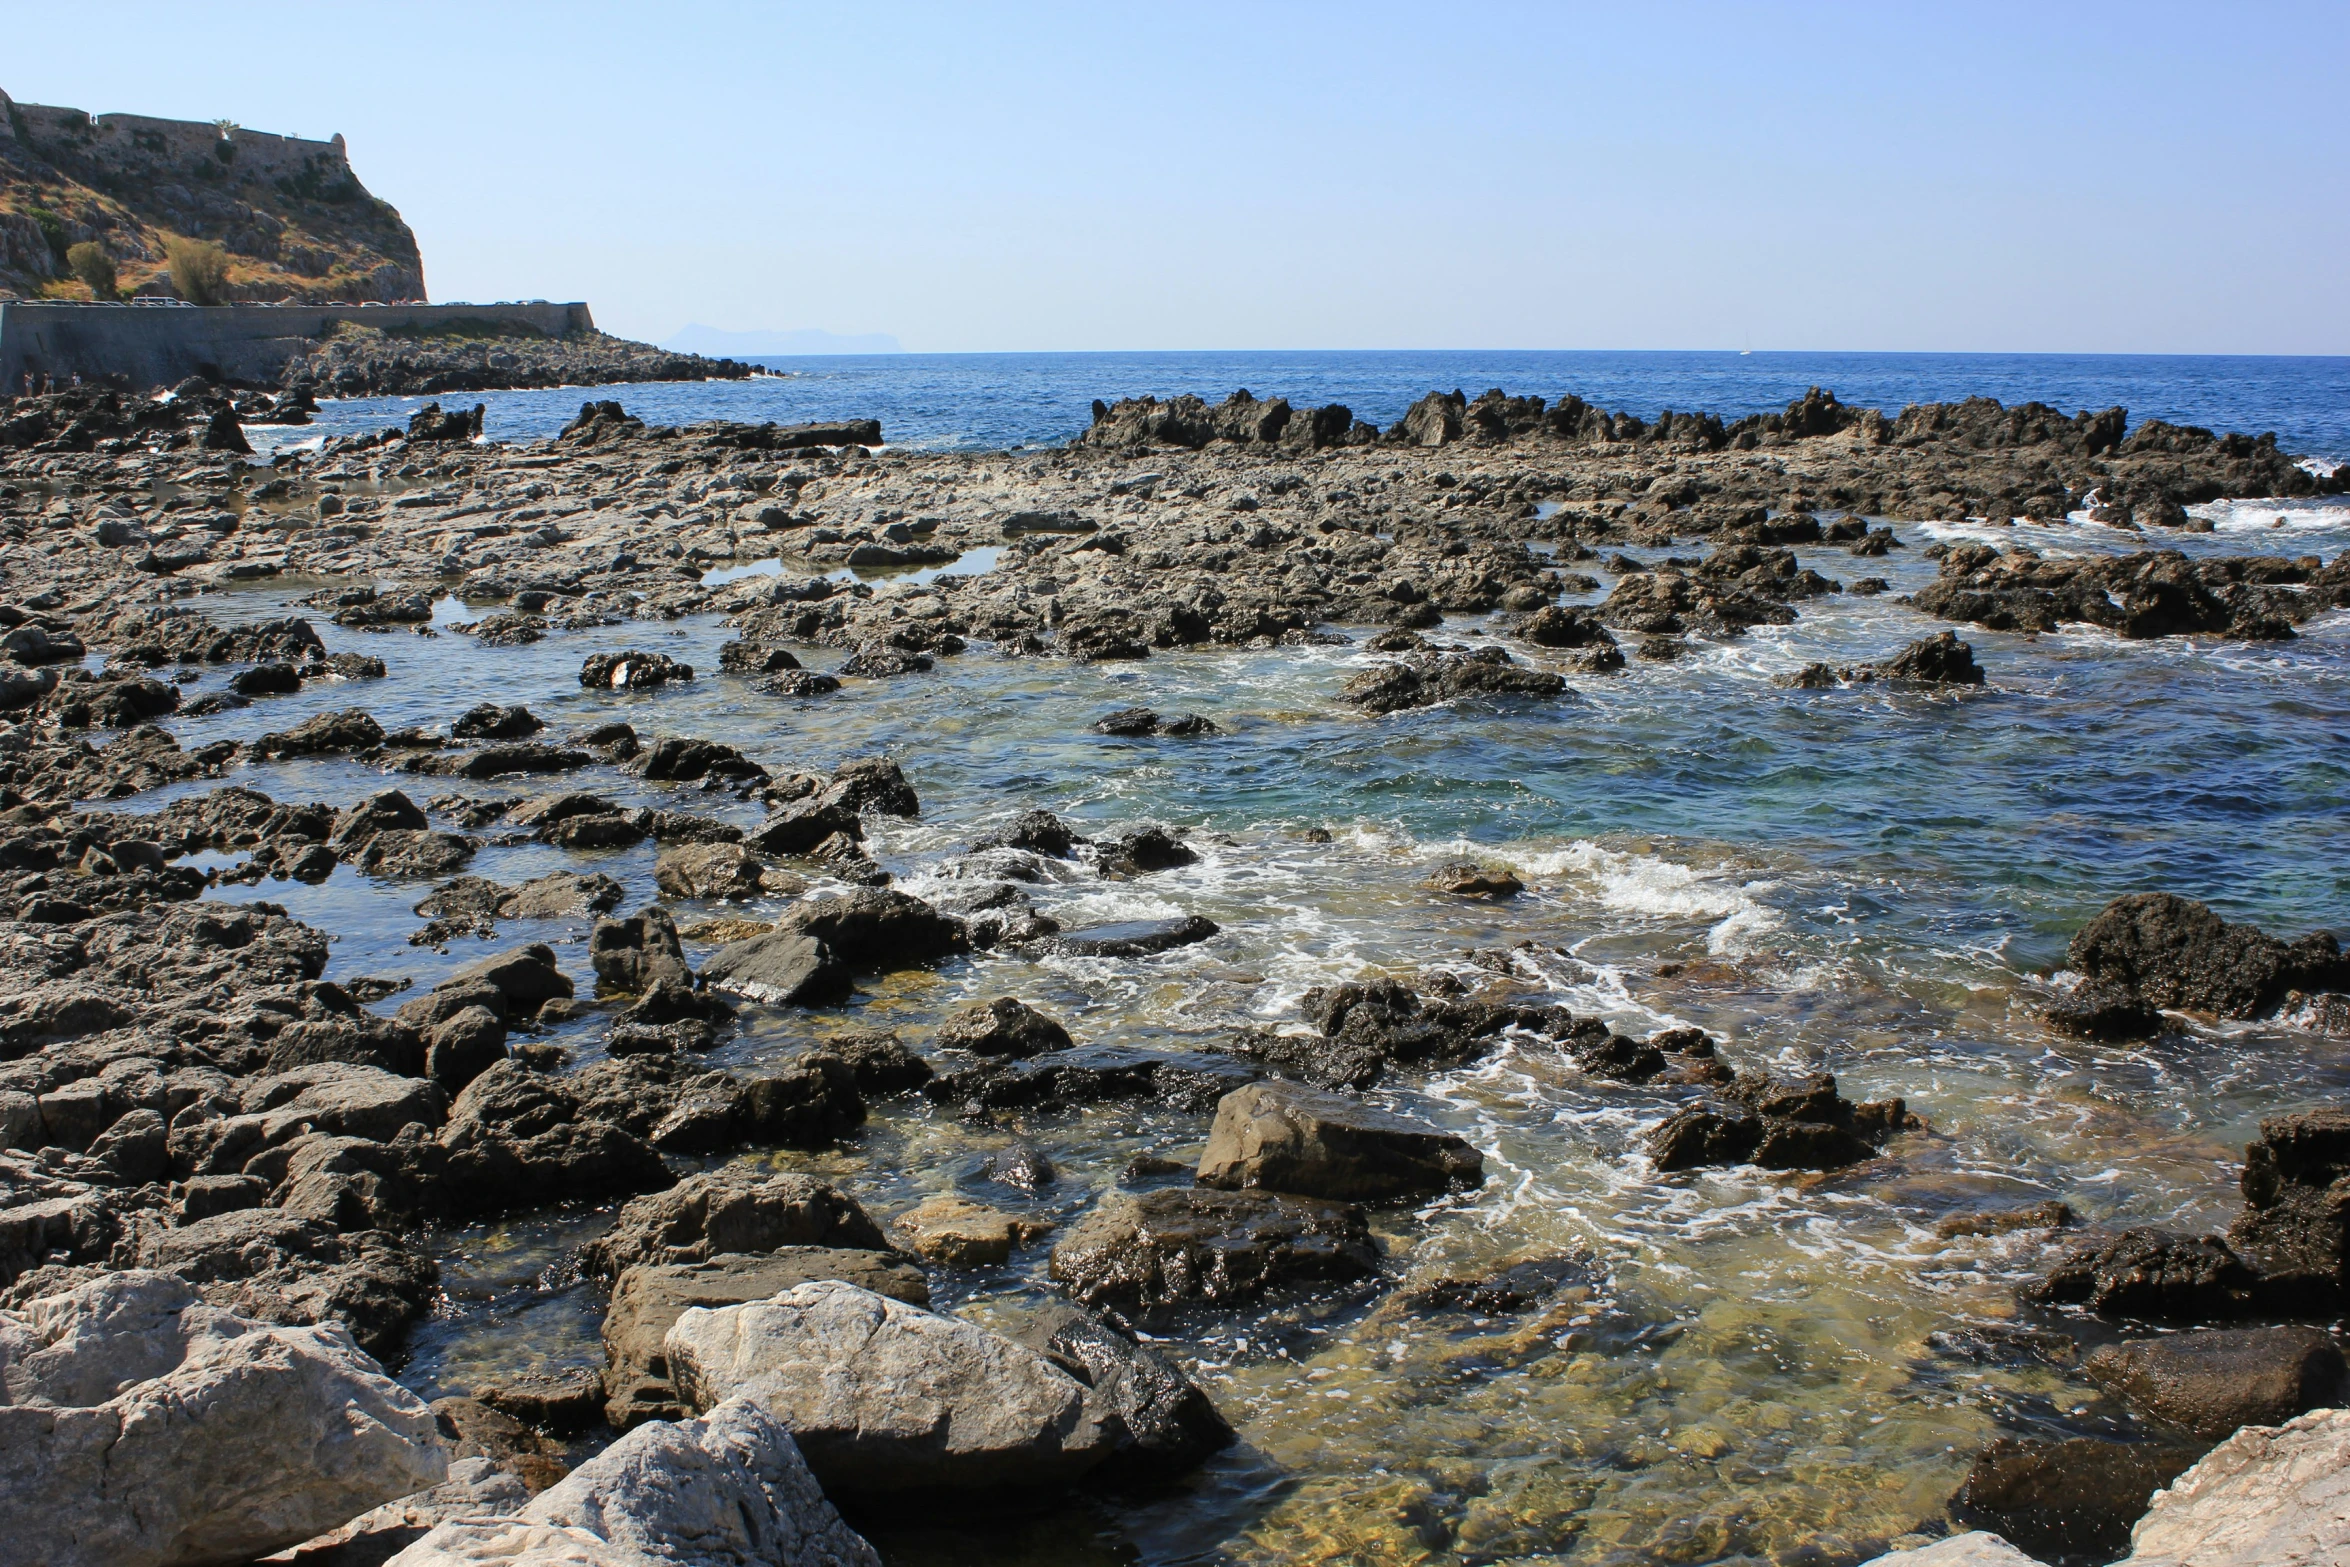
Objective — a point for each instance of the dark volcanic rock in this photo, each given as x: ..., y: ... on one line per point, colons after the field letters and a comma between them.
x: 1940, y: 660
x: 1424, y: 682
x: 2296, y: 1220
x: 2158, y: 593
x: 2154, y: 1274
x: 1129, y: 939
x: 1170, y: 1424
x: 1779, y: 1124
x: 632, y: 671
x: 2173, y: 952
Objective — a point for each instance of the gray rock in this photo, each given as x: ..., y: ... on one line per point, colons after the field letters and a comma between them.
x: 2267, y: 1497
x: 462, y: 1048
x: 887, y: 1398
x: 1285, y: 1137
x: 1975, y: 1548
x: 639, y: 952
x: 649, y: 1298
x: 721, y: 870
x: 1175, y: 1245
x: 526, y: 976
x: 782, y: 968
x: 564, y: 892
x: 737, y: 1208
x: 1002, y: 1027
x: 728, y: 1490
x: 872, y: 929
x: 2214, y: 1381
x: 140, y: 1427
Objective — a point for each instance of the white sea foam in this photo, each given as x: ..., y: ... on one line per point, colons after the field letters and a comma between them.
x: 1649, y: 884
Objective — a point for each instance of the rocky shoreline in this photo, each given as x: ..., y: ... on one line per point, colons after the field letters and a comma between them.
x: 225, y: 1157
x: 360, y: 362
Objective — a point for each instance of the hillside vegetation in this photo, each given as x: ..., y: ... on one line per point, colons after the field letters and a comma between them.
x: 246, y: 215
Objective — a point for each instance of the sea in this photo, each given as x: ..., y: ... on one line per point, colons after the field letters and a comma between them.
x: 996, y: 401
x: 1738, y: 1366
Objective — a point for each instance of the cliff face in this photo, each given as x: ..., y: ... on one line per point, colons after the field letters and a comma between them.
x: 294, y: 219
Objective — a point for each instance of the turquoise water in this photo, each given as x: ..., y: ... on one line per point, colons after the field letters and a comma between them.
x: 1865, y: 880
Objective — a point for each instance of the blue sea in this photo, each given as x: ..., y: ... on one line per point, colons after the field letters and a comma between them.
x: 994, y: 401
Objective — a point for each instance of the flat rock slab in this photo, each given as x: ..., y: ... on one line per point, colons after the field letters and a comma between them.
x: 1281, y: 1136
x: 784, y: 968
x: 887, y: 1398
x: 1176, y: 1245
x: 1128, y: 939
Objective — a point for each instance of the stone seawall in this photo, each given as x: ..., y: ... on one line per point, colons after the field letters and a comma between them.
x: 161, y: 345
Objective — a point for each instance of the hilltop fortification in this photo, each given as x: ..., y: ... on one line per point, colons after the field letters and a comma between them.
x: 295, y: 221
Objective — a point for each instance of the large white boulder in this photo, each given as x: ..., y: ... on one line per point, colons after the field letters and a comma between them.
x: 885, y: 1397
x: 2269, y: 1496
x: 140, y: 1427
x: 1976, y: 1548
x: 728, y: 1490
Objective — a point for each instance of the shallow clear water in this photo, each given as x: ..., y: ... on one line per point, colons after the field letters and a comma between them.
x: 1863, y: 880
x: 989, y: 401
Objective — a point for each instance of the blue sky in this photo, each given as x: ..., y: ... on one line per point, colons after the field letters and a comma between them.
x: 2052, y: 177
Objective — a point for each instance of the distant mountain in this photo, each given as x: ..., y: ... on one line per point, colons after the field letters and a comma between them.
x: 295, y: 221
x: 740, y: 345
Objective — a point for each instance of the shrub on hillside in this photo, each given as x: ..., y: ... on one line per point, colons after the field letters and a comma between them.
x: 199, y: 270
x: 89, y: 262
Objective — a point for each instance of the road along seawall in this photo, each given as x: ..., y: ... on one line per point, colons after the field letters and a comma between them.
x: 162, y: 345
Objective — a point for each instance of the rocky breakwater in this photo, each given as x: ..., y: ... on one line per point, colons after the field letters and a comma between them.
x: 360, y: 361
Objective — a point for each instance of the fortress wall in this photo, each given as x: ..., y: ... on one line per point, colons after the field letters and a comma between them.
x: 162, y: 345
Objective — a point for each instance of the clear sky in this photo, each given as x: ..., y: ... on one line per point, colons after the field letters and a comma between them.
x: 2055, y: 176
